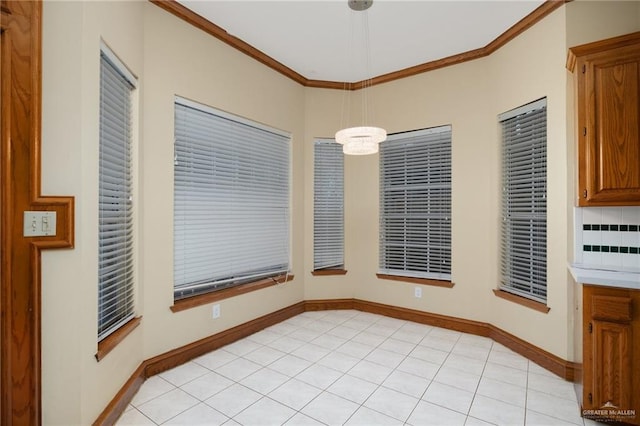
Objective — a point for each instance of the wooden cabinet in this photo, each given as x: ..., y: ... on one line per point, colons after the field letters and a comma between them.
x: 607, y: 75
x: 611, y: 353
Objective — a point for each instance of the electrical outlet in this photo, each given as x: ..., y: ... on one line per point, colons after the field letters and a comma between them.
x: 216, y: 311
x: 417, y: 292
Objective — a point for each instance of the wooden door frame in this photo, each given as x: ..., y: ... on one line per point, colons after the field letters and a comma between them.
x: 20, y: 273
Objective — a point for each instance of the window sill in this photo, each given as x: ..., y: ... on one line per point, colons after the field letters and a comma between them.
x: 423, y: 281
x: 203, y: 299
x: 532, y: 304
x: 111, y: 341
x: 320, y: 272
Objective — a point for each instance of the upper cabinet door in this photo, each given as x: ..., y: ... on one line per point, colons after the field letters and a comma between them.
x: 608, y: 126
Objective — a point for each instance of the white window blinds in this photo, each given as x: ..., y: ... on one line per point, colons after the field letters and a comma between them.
x: 328, y: 197
x: 115, y: 234
x: 231, y: 200
x: 415, y: 204
x: 524, y: 201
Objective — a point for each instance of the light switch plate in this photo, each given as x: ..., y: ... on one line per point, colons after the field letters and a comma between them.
x: 39, y: 224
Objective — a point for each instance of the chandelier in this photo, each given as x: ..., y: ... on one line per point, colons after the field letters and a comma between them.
x: 362, y: 140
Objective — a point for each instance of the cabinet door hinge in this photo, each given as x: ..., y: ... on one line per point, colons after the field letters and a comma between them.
x: 584, y: 68
x: 584, y: 195
x: 590, y: 327
x: 584, y: 131
x: 590, y: 398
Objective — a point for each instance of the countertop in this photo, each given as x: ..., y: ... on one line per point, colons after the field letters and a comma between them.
x: 598, y: 275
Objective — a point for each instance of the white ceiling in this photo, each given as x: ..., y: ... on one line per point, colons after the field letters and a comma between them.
x: 324, y: 39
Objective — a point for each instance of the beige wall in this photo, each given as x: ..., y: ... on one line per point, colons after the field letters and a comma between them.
x: 468, y: 96
x: 170, y: 58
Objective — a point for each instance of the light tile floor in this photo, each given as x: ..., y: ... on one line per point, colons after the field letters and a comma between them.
x: 356, y: 368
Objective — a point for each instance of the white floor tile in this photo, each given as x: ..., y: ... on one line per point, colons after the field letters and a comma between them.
x: 319, y: 376
x: 355, y: 349
x: 464, y: 363
x: 330, y: 409
x: 552, y: 385
x: 511, y: 394
x: 352, y: 388
x: 200, y: 415
x: 134, y: 418
x: 371, y: 372
x: 392, y: 403
x: 311, y: 352
x: 424, y: 369
x: 368, y: 417
x: 265, y: 412
x: 406, y: 383
x: 426, y: 353
x: 304, y: 334
x: 295, y: 394
x: 398, y: 346
x: 238, y: 369
x: 385, y: 357
x: 457, y: 378
x: 242, y: 347
x: 184, y: 373
x: 427, y: 414
x: 497, y: 412
x: 505, y: 374
x: 206, y: 386
x: 233, y: 399
x: 151, y: 388
x: 290, y: 365
x: 264, y: 381
x: 169, y: 405
x: 301, y: 420
x: 339, y: 361
x: 508, y: 359
x: 328, y: 341
x: 264, y: 355
x: 537, y: 419
x: 449, y: 397
x: 215, y: 359
x: 553, y: 406
x: 333, y: 367
x: 286, y: 344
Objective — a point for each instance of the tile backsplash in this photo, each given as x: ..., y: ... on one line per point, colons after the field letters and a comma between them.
x: 608, y: 237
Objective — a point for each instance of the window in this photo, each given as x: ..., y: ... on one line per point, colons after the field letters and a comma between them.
x: 415, y: 204
x: 231, y: 200
x: 524, y: 201
x: 328, y: 193
x: 115, y: 234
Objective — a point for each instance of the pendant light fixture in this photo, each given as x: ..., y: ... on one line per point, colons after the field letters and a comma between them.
x: 362, y: 140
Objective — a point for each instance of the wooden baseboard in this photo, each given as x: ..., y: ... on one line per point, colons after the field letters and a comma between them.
x: 565, y: 369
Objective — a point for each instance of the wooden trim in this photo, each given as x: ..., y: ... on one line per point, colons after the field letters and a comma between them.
x: 193, y: 350
x: 110, y: 342
x: 422, y: 281
x: 600, y: 45
x: 20, y: 298
x: 214, y: 296
x: 207, y: 26
x: 119, y: 403
x: 532, y: 304
x: 328, y: 304
x: 210, y: 28
x: 320, y: 272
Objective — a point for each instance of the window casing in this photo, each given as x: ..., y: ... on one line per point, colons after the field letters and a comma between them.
x: 231, y: 200
x: 328, y: 205
x: 415, y: 204
x: 116, y: 298
x: 524, y: 201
